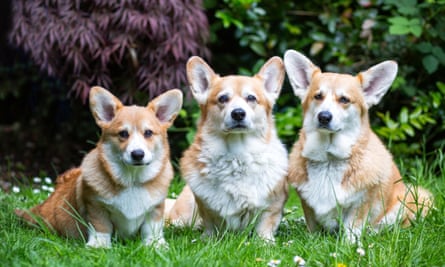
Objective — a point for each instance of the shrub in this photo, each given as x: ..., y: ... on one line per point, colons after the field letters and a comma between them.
x: 122, y: 45
x: 347, y: 36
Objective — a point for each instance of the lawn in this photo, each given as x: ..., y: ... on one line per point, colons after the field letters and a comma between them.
x: 423, y: 244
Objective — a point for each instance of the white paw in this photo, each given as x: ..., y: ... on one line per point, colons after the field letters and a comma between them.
x: 99, y: 240
x: 268, y: 238
x: 158, y: 243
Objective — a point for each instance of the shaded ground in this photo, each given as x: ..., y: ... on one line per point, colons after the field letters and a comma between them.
x: 37, y: 141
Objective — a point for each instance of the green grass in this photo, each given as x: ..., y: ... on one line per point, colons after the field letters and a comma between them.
x: 420, y: 245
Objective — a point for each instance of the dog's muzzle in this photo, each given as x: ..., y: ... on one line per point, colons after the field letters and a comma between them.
x: 137, y: 157
x: 324, y: 120
x: 238, y: 120
x: 238, y: 114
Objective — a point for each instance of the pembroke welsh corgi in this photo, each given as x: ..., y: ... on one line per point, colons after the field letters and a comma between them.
x: 121, y: 185
x: 236, y: 168
x: 341, y: 170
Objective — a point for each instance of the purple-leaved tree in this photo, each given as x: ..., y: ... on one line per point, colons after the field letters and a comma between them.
x: 124, y: 45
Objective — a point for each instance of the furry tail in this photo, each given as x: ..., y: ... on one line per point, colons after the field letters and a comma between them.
x: 25, y: 215
x: 418, y: 202
x: 183, y: 211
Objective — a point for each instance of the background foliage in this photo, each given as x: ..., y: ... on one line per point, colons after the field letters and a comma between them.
x: 124, y: 45
x: 347, y: 36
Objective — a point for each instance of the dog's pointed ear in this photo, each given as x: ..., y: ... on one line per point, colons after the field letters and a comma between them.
x: 103, y: 105
x: 377, y: 80
x: 200, y: 76
x: 300, y: 71
x: 167, y: 106
x: 272, y: 75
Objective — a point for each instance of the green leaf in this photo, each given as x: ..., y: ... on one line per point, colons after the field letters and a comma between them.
x: 399, y: 21
x: 408, y: 10
x: 430, y: 63
x: 399, y: 29
x: 416, y: 30
x: 424, y: 47
x: 439, y: 54
x: 403, y: 117
x: 408, y: 130
x: 441, y: 87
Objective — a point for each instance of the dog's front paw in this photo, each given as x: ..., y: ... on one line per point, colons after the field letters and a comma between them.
x: 99, y: 240
x: 157, y: 243
x: 268, y: 238
x: 353, y: 235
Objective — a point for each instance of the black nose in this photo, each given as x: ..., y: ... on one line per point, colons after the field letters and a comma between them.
x: 137, y: 154
x: 238, y: 114
x: 324, y: 117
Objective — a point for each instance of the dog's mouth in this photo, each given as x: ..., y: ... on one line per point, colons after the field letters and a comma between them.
x: 136, y: 163
x: 238, y: 127
x: 327, y: 129
x: 140, y: 163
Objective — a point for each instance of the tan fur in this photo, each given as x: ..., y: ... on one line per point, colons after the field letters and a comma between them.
x: 85, y: 190
x: 220, y: 213
x: 370, y: 168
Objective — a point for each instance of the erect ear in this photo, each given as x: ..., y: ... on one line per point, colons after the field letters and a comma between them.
x: 300, y: 71
x: 103, y: 105
x: 167, y: 106
x: 377, y: 80
x: 199, y: 75
x: 272, y: 75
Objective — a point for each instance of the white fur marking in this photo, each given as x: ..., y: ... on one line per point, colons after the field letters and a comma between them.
x: 98, y: 240
x: 325, y: 194
x: 239, y: 177
x: 130, y: 207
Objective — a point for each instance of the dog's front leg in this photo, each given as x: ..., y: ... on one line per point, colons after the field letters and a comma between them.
x: 268, y: 224
x: 152, y: 229
x: 354, y: 224
x: 100, y: 228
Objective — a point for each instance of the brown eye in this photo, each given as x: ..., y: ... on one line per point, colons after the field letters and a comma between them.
x: 318, y: 96
x: 251, y: 98
x: 223, y: 99
x: 344, y: 100
x: 148, y: 133
x: 124, y: 134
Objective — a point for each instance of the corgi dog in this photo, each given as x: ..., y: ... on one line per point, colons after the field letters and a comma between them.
x: 342, y: 172
x: 121, y: 185
x: 236, y: 168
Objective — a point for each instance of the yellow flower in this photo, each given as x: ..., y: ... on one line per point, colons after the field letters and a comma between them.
x: 341, y: 265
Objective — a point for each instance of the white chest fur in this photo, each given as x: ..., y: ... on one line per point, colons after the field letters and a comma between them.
x: 239, y: 178
x: 129, y: 208
x: 325, y: 193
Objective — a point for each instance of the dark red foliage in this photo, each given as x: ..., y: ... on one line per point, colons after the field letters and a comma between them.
x: 118, y: 44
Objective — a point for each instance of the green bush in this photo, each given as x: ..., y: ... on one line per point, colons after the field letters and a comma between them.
x: 345, y: 36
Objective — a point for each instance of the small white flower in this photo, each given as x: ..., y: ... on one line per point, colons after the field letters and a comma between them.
x: 333, y: 254
x: 48, y: 180
x: 36, y: 190
x: 273, y: 263
x: 45, y: 187
x: 16, y: 189
x: 193, y: 241
x: 37, y: 180
x: 299, y: 261
x: 50, y: 189
x: 361, y: 251
x: 288, y: 243
x: 301, y: 219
